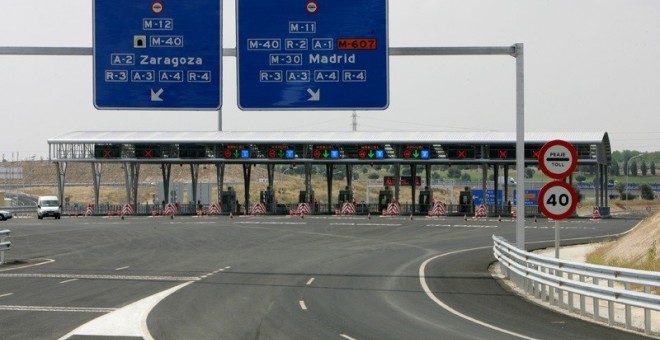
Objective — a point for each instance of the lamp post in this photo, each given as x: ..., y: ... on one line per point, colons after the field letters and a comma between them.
x: 627, y: 172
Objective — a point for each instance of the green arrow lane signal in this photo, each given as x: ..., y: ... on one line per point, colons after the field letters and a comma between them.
x: 371, y: 154
x: 415, y: 154
x: 326, y: 154
x: 237, y: 153
x: 280, y: 154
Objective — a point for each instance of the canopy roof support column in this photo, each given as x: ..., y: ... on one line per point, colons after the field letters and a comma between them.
x: 247, y: 171
x: 132, y: 172
x: 329, y: 168
x: 397, y: 181
x: 166, y: 170
x: 61, y: 173
x: 496, y: 186
x: 413, y: 175
x: 194, y: 177
x: 96, y: 170
x: 220, y: 180
x: 308, y: 182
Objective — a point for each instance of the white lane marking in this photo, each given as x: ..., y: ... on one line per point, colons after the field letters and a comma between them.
x: 122, y: 268
x: 369, y: 224
x: 67, y: 281
x: 302, y: 305
x: 270, y: 222
x: 128, y: 321
x: 429, y: 293
x: 56, y: 309
x: 310, y: 281
x: 102, y: 277
x: 461, y: 226
x: 29, y: 265
x: 8, y: 294
x: 228, y: 267
x: 347, y: 337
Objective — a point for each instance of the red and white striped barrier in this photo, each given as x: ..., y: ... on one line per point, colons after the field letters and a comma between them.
x: 303, y: 209
x: 348, y: 209
x: 170, y: 209
x: 393, y: 209
x: 258, y: 209
x: 214, y: 209
x: 439, y: 209
x: 127, y: 210
x: 481, y: 211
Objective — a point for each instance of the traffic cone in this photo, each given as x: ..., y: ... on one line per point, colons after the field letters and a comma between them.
x: 231, y: 215
x: 369, y: 216
x: 465, y: 217
x: 302, y: 215
x: 411, y: 217
x: 499, y: 218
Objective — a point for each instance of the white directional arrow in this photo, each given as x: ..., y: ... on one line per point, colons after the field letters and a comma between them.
x: 314, y: 96
x: 155, y: 96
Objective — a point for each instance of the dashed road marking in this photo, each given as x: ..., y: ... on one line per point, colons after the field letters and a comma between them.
x: 310, y: 281
x: 302, y: 305
x: 56, y: 309
x: 67, y: 281
x: 102, y: 277
x: 8, y: 294
x: 122, y: 268
x: 347, y: 337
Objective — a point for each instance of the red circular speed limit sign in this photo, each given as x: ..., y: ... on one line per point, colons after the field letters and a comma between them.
x: 557, y: 200
x: 557, y: 159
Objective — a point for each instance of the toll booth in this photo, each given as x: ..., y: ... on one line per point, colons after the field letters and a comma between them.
x: 465, y: 201
x: 345, y: 196
x: 267, y: 197
x: 384, y: 198
x: 228, y: 201
x: 425, y: 197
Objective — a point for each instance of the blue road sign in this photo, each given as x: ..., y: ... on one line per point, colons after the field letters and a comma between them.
x: 311, y: 54
x: 157, y: 55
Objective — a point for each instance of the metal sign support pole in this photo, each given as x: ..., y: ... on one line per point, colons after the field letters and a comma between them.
x: 557, y: 239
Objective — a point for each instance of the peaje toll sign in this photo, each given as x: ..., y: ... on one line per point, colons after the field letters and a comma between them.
x: 557, y: 159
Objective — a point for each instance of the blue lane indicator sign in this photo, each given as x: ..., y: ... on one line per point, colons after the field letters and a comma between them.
x: 157, y: 55
x: 306, y: 55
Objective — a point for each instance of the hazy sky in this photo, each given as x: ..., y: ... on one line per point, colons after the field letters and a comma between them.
x: 590, y: 65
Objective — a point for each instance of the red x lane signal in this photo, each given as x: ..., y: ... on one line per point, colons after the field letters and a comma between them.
x: 503, y: 154
x: 460, y: 154
x: 148, y: 153
x: 536, y: 153
x: 107, y: 154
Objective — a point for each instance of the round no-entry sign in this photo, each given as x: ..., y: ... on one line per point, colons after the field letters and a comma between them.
x: 557, y: 159
x: 557, y: 200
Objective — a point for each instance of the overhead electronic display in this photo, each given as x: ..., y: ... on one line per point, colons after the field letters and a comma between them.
x: 236, y: 151
x: 416, y: 152
x: 326, y: 152
x: 281, y: 152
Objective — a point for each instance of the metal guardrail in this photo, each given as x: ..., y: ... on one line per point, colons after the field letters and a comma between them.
x: 549, y: 278
x: 4, y: 244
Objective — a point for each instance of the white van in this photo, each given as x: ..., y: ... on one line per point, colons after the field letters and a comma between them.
x: 48, y: 206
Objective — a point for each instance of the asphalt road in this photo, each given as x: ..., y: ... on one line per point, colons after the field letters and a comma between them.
x: 275, y: 278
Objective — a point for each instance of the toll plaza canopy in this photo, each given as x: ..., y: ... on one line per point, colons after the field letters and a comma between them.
x: 424, y: 148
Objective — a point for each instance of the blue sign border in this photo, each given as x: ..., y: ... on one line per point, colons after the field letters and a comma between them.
x: 287, y: 55
x: 187, y: 33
